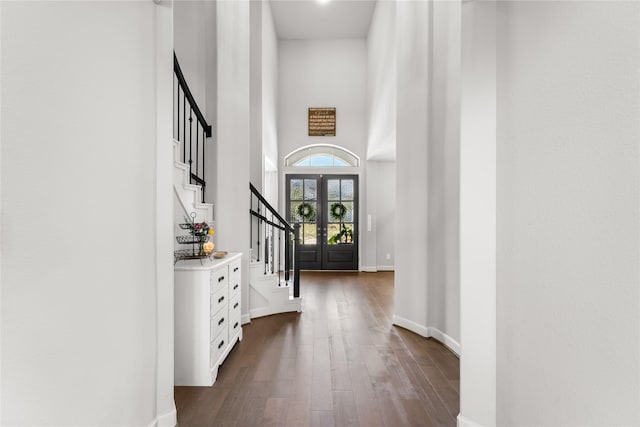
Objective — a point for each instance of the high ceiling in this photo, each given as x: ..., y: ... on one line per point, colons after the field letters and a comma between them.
x: 314, y: 19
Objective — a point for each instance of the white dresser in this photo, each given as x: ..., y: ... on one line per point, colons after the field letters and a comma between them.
x: 207, y: 317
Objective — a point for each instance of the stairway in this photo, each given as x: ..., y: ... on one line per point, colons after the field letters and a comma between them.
x: 187, y: 196
x: 270, y: 293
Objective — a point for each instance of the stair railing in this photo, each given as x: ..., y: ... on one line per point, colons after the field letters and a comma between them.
x: 270, y: 234
x: 186, y: 131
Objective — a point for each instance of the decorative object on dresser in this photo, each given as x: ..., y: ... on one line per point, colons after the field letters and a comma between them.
x: 199, y: 237
x: 207, y: 303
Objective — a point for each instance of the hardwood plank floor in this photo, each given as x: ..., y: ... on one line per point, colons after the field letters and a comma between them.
x: 339, y: 363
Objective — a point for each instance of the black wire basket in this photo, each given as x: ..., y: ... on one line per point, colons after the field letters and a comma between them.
x: 196, y: 238
x: 187, y: 239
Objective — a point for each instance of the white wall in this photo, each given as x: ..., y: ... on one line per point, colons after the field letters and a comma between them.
x: 233, y: 135
x: 322, y: 73
x: 444, y: 170
x: 195, y: 47
x: 190, y: 45
x: 381, y: 83
x: 385, y: 215
x: 427, y: 138
x: 255, y: 93
x: 568, y: 293
x: 478, y: 216
x: 412, y: 164
x: 165, y: 407
x: 269, y: 85
x: 381, y: 138
x: 79, y: 328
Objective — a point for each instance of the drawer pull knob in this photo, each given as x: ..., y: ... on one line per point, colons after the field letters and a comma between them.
x: 221, y: 321
x: 221, y: 344
x: 220, y: 279
x: 235, y: 287
x: 235, y: 269
x: 235, y: 305
x: 220, y: 299
x: 235, y: 326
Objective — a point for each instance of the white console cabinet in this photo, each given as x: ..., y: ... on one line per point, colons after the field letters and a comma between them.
x: 207, y: 317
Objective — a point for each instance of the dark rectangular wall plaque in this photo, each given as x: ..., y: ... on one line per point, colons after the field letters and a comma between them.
x: 322, y: 122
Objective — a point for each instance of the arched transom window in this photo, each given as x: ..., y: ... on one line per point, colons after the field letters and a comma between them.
x: 321, y: 156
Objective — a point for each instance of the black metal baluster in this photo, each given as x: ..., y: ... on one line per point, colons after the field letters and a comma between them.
x: 190, y: 146
x: 203, y: 160
x: 287, y: 254
x: 197, y: 148
x: 258, y: 241
x: 296, y: 261
x: 178, y: 119
x: 184, y: 129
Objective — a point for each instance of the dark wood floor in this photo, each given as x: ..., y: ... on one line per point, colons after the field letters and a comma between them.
x: 340, y: 362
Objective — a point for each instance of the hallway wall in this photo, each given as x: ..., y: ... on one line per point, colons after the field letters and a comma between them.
x: 194, y: 42
x: 427, y: 297
x: 322, y: 73
x: 568, y: 284
x: 233, y: 132
x: 79, y: 235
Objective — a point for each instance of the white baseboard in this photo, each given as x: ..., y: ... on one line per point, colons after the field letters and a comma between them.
x: 294, y: 304
x: 466, y: 422
x: 428, y: 332
x: 445, y: 339
x: 411, y: 326
x: 375, y: 269
x: 170, y: 419
x: 245, y: 318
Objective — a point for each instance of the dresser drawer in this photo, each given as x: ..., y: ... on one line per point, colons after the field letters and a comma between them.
x: 235, y: 274
x: 219, y: 323
x: 234, y: 289
x: 218, y: 346
x: 219, y: 278
x: 234, y: 327
x: 219, y: 300
x: 234, y: 308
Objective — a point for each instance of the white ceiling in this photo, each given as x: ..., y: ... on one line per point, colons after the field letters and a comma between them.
x: 312, y: 19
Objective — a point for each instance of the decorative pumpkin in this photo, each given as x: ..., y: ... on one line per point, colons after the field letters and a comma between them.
x: 207, y: 247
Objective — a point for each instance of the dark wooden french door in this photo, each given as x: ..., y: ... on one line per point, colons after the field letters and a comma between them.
x: 326, y: 206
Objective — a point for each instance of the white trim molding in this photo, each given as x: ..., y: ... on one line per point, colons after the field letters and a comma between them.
x: 466, y: 422
x: 245, y: 318
x: 170, y: 419
x: 375, y: 269
x: 428, y: 332
x: 411, y: 326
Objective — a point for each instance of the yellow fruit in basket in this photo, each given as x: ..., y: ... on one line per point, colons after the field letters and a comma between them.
x: 207, y: 247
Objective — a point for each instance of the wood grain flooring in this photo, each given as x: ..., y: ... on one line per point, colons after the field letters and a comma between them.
x: 339, y: 363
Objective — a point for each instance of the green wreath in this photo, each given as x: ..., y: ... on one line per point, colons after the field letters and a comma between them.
x: 306, y: 211
x: 337, y: 211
